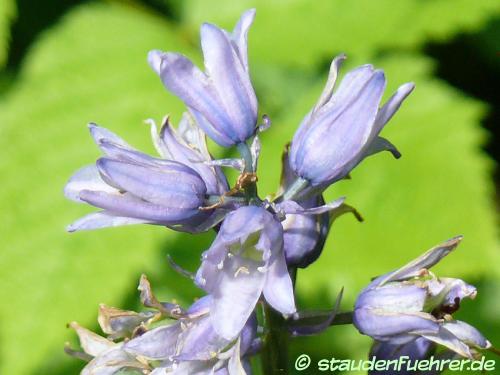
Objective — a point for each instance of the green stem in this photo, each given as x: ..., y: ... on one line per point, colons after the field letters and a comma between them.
x: 295, y: 189
x: 247, y: 156
x: 214, y: 199
x: 275, y: 353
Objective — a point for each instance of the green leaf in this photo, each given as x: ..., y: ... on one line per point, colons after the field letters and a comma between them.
x: 90, y: 67
x: 7, y: 12
x: 304, y: 33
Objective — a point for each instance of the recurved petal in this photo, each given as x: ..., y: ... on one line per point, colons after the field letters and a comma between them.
x: 392, y: 105
x: 278, y: 289
x: 231, y: 82
x: 380, y: 144
x: 190, y: 84
x: 86, y: 178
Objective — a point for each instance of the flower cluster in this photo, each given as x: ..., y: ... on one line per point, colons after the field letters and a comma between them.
x: 259, y: 242
x: 409, y: 311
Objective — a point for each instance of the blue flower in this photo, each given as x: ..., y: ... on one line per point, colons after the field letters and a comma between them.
x: 344, y: 126
x: 184, y: 342
x: 245, y: 261
x: 412, y: 302
x: 131, y: 187
x: 222, y: 98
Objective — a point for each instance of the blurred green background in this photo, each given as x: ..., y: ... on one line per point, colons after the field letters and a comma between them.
x: 66, y: 63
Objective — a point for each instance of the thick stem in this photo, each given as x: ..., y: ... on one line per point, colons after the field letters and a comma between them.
x: 275, y: 353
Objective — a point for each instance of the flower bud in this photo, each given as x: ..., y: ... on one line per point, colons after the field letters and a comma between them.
x: 343, y: 127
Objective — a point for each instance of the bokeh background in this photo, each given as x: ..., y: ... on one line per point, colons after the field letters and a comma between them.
x: 65, y: 63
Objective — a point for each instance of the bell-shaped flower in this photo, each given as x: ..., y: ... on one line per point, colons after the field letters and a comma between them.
x: 132, y: 187
x: 154, y: 344
x: 344, y: 126
x: 222, y: 98
x: 245, y: 260
x: 412, y: 302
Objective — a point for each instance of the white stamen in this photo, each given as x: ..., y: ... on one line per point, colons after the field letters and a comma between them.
x: 242, y: 269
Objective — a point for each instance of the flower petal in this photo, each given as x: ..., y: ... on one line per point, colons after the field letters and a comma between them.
x: 157, y: 344
x: 168, y: 187
x: 340, y: 133
x: 392, y: 105
x: 86, y: 178
x: 101, y: 134
x: 91, y: 342
x: 103, y: 219
x: 127, y: 205
x: 278, y: 289
x: 467, y: 334
x: 231, y: 82
x: 399, y: 327
x: 425, y: 261
x: 190, y: 84
x: 240, y: 36
x: 235, y: 292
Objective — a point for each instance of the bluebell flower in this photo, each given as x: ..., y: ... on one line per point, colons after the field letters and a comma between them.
x: 412, y: 302
x: 343, y: 127
x: 131, y: 187
x: 246, y: 260
x: 222, y: 98
x: 159, y: 345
